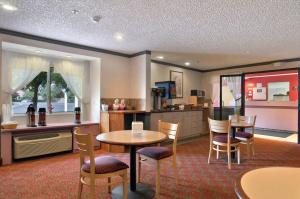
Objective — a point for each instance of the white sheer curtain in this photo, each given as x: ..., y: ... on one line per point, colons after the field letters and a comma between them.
x: 19, y: 70
x: 76, y: 75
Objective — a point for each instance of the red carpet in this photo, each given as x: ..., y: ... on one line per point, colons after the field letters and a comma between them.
x: 57, y: 176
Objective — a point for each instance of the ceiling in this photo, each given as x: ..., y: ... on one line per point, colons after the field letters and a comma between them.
x: 207, y: 33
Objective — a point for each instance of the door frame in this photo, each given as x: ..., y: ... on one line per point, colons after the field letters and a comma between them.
x: 242, y: 75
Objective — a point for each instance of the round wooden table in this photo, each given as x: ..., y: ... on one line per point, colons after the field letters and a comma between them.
x: 133, y: 139
x: 270, y: 182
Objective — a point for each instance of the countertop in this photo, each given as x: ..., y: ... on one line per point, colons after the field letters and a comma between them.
x: 23, y: 128
x: 164, y: 111
x: 125, y: 111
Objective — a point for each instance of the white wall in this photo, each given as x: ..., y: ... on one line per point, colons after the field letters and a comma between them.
x: 191, y: 79
x: 114, y: 81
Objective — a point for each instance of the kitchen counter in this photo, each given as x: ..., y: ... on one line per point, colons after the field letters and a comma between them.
x: 165, y: 111
x: 125, y: 111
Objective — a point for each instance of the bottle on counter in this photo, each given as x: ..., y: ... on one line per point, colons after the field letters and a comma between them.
x: 30, y: 116
x: 77, y: 115
x: 42, y: 117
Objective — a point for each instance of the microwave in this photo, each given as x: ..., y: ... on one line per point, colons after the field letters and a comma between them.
x: 198, y: 93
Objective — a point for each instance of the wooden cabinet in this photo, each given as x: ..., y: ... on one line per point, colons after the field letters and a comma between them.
x: 116, y: 121
x: 191, y: 122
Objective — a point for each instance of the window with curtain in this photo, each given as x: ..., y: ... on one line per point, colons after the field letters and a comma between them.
x: 50, y: 92
x: 52, y: 83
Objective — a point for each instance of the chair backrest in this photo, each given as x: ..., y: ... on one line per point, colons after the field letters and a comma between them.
x: 248, y: 119
x: 171, y: 130
x: 219, y: 127
x: 86, y: 148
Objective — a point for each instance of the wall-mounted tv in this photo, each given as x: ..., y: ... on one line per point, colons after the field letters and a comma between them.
x: 169, y: 87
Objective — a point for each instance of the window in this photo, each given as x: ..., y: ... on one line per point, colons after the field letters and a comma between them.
x: 48, y: 90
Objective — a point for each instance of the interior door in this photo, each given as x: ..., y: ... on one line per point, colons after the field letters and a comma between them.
x: 232, y: 95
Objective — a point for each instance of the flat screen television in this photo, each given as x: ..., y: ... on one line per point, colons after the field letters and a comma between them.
x: 169, y: 87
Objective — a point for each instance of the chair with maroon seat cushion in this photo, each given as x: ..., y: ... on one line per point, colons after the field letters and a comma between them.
x: 246, y: 137
x: 222, y: 140
x: 99, y: 167
x: 159, y: 153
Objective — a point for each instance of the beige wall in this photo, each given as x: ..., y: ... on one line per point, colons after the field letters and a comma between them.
x: 191, y: 79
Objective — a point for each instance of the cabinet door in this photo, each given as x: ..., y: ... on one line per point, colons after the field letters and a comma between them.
x: 116, y: 121
x: 154, y: 121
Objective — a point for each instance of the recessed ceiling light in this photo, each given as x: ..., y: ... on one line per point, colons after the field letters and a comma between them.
x: 38, y: 51
x: 75, y: 12
x: 160, y: 57
x: 68, y: 56
x: 187, y: 63
x: 119, y: 36
x: 9, y: 7
x: 96, y: 18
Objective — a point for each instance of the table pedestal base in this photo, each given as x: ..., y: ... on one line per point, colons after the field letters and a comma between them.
x: 142, y: 191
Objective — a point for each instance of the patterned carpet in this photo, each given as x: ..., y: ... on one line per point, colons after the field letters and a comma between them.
x: 57, y: 177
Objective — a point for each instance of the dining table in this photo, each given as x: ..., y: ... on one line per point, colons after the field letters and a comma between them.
x: 133, y: 139
x: 269, y: 182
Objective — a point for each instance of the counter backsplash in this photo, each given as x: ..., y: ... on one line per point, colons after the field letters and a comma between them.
x: 133, y: 103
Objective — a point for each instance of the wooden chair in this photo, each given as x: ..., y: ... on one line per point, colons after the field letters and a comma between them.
x: 158, y: 153
x: 246, y: 137
x: 217, y: 142
x: 92, y: 168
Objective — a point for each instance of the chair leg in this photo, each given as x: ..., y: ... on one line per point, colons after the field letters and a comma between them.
x: 175, y: 169
x: 218, y: 147
x: 252, y: 147
x: 139, y: 167
x: 93, y: 188
x: 157, y: 177
x: 239, y: 155
x: 248, y: 149
x: 229, y: 157
x: 79, y: 188
x: 209, y: 154
x: 109, y: 184
x: 125, y: 186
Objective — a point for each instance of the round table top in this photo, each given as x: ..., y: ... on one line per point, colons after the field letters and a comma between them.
x: 129, y: 137
x: 241, y: 124
x: 271, y: 182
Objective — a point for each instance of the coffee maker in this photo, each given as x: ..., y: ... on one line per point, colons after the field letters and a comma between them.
x: 157, y: 94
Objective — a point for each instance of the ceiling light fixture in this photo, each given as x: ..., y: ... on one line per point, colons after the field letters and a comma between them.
x: 187, y: 63
x: 119, y: 36
x: 160, y: 57
x: 96, y: 18
x: 68, y: 56
x: 75, y: 12
x: 9, y: 7
x: 38, y: 51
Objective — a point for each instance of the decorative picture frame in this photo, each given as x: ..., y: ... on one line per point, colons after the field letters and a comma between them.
x: 178, y: 78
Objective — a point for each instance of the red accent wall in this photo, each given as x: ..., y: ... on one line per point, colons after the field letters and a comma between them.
x: 292, y: 78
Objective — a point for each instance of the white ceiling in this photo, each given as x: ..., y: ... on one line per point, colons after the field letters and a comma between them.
x: 207, y: 33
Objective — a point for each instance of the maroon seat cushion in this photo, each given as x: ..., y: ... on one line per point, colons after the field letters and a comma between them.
x: 223, y: 139
x: 105, y: 164
x: 243, y: 134
x: 156, y: 152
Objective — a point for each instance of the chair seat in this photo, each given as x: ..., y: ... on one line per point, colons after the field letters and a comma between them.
x: 105, y: 164
x: 242, y: 134
x: 156, y: 152
x: 223, y: 139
